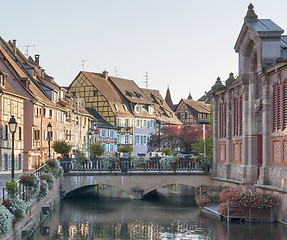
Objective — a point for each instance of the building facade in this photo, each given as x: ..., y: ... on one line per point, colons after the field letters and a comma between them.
x: 250, y: 114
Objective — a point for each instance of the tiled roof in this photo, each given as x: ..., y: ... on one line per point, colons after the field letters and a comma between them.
x: 161, y: 106
x: 111, y: 94
x: 199, y: 106
x: 130, y: 90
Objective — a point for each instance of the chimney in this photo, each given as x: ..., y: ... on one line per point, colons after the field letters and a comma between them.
x: 37, y: 59
x: 14, y: 47
x: 106, y: 74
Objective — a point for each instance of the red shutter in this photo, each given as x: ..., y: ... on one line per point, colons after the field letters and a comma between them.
x: 285, y: 105
x: 274, y: 107
x: 279, y: 108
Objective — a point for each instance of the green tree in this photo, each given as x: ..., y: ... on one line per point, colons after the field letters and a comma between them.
x: 97, y: 150
x: 211, y: 116
x: 125, y: 149
x: 198, y: 147
x: 62, y: 147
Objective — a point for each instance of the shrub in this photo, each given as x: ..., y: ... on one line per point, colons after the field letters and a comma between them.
x: 62, y: 147
x: 202, y: 200
x: 12, y: 189
x: 140, y: 162
x: 80, y: 160
x: 203, y: 163
x: 237, y: 198
x: 49, y: 178
x: 54, y: 167
x: 6, y: 219
x: 168, y: 162
x: 32, y: 182
x: 17, y: 207
x: 97, y: 149
x: 109, y: 163
x: 43, y: 189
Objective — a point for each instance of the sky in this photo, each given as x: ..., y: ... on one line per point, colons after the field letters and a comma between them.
x: 183, y: 44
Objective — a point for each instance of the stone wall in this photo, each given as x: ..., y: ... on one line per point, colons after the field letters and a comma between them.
x: 34, y: 214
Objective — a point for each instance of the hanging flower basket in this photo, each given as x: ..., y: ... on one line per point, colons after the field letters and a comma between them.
x: 32, y: 182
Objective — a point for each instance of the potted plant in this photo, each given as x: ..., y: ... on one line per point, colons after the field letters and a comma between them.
x: 80, y: 160
x: 17, y: 207
x: 53, y: 166
x: 49, y: 178
x: 32, y: 182
x: 6, y: 220
x: 140, y: 162
x: 43, y: 189
x: 12, y: 189
x: 168, y: 162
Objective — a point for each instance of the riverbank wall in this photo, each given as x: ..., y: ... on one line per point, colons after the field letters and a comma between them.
x: 280, y: 212
x: 38, y: 210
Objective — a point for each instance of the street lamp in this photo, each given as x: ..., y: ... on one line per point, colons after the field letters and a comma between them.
x: 49, y: 129
x: 12, y: 127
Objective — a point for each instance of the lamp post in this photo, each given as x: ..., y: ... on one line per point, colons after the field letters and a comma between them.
x: 49, y: 129
x: 12, y: 127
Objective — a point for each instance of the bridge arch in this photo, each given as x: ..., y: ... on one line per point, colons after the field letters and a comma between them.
x: 136, y: 185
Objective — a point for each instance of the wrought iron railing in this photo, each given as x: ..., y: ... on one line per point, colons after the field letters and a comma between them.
x: 23, y: 193
x: 126, y: 165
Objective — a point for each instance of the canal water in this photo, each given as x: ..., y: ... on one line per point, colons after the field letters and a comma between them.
x: 169, y: 214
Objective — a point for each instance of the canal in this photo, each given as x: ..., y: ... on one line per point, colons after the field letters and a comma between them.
x: 170, y: 213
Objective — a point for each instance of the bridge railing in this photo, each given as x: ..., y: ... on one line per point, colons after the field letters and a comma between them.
x: 126, y: 165
x: 23, y: 193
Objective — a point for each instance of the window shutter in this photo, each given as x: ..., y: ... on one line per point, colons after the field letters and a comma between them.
x: 285, y: 105
x: 131, y: 140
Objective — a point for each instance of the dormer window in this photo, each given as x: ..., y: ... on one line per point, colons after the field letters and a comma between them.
x: 137, y: 95
x: 138, y: 108
x: 125, y: 107
x: 129, y: 94
x: 171, y: 115
x: 116, y: 107
x: 150, y: 110
x: 2, y: 79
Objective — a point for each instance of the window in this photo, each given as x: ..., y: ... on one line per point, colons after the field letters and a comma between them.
x: 235, y: 117
x: 5, y: 132
x: 116, y: 107
x: 20, y: 133
x: 104, y: 133
x: 150, y: 110
x: 112, y: 133
x: 178, y: 115
x: 138, y: 108
x: 95, y: 93
x: 137, y: 139
x: 144, y: 124
x: 125, y: 107
x: 144, y: 139
x: 126, y: 139
x: 127, y: 122
x: 222, y: 120
x: 285, y: 105
x: 276, y: 106
x: 2, y: 80
x: 112, y: 147
x: 184, y: 115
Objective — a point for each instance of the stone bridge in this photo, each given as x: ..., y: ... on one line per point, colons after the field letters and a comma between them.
x: 136, y: 184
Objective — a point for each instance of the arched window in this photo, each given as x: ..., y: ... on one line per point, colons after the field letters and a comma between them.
x: 222, y: 120
x: 235, y: 117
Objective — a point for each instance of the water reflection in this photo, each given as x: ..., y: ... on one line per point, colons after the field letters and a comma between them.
x: 168, y: 215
